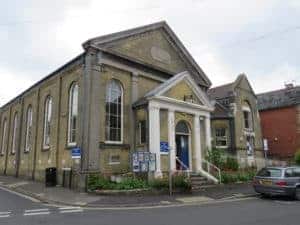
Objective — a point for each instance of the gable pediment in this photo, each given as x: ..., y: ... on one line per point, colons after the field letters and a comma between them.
x: 153, y: 45
x: 181, y: 88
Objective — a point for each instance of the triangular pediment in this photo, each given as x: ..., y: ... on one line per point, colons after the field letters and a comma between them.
x: 243, y: 83
x: 182, y: 87
x: 154, y: 45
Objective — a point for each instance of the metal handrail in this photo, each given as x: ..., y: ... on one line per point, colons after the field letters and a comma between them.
x: 208, y: 164
x: 187, y: 169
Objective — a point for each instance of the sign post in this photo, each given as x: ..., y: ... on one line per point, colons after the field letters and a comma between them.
x: 266, y: 149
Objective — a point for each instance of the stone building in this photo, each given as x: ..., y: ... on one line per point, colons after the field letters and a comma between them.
x: 127, y: 92
x: 280, y: 119
x: 235, y: 122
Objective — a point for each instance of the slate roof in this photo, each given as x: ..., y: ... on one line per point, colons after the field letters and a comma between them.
x: 221, y: 112
x: 222, y: 91
x: 279, y: 98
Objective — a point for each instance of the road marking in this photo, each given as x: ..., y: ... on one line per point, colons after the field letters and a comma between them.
x: 71, y: 211
x: 19, y: 194
x: 69, y: 207
x: 4, y: 216
x: 35, y: 210
x: 8, y: 212
x: 36, y: 213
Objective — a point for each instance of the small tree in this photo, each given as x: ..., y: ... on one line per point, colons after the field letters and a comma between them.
x: 297, y: 157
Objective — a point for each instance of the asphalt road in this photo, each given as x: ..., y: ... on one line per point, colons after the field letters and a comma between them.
x: 15, y: 210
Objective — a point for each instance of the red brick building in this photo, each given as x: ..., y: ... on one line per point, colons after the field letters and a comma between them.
x: 280, y: 121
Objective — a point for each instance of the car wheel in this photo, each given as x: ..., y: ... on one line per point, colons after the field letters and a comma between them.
x: 297, y: 193
x: 264, y: 195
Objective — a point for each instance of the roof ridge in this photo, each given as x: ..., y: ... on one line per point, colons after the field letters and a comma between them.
x: 282, y: 89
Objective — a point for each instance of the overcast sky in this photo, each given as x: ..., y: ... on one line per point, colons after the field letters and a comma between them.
x: 258, y: 37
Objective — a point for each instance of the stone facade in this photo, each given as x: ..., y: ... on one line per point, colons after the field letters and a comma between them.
x: 140, y: 60
x: 234, y: 101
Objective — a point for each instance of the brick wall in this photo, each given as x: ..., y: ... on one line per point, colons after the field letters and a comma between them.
x: 279, y: 126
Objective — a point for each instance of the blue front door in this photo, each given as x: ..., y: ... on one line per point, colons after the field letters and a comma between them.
x: 182, y: 151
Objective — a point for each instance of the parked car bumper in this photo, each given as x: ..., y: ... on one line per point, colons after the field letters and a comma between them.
x: 274, y: 190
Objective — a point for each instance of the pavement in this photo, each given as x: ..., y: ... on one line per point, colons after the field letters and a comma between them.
x: 37, y: 192
x: 15, y: 209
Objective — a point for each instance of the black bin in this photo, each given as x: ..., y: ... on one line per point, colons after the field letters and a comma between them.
x: 50, y: 175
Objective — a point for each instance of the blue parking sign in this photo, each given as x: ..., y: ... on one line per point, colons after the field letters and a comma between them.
x: 76, y: 153
x: 164, y: 146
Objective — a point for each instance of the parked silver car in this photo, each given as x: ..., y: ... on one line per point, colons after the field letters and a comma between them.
x: 283, y: 181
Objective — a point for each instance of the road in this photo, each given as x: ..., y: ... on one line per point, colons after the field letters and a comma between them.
x: 16, y: 210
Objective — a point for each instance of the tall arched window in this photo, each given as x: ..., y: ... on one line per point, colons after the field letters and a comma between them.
x: 73, y: 115
x: 114, y: 112
x: 47, y: 122
x: 247, y: 113
x: 4, y: 128
x: 28, y: 137
x: 14, y: 137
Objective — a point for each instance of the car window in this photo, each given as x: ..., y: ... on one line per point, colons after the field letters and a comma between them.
x: 269, y: 172
x: 289, y: 173
x: 296, y: 172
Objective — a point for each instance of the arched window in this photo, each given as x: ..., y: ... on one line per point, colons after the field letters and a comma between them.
x: 14, y: 137
x: 73, y: 115
x: 247, y: 113
x: 47, y: 122
x: 28, y: 137
x: 114, y: 112
x: 4, y: 128
x: 182, y: 128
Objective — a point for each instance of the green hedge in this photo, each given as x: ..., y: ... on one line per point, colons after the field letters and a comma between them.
x: 98, y: 182
x: 232, y: 177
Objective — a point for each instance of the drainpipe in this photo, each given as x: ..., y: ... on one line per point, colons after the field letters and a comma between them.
x: 18, y: 154
x: 35, y: 133
x: 8, y: 140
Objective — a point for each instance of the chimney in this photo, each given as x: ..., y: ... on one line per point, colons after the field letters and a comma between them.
x: 289, y: 85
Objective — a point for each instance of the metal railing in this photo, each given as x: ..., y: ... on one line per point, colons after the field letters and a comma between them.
x: 212, y: 170
x: 186, y: 168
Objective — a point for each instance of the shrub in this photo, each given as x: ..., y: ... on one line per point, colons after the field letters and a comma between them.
x: 96, y: 182
x: 178, y: 181
x: 297, y: 157
x: 232, y: 177
x: 231, y: 164
x: 159, y: 183
x: 216, y: 157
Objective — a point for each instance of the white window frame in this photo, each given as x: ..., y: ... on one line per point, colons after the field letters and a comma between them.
x: 28, y: 138
x: 4, y: 131
x: 14, y: 137
x: 116, y: 162
x: 220, y: 137
x: 47, y: 122
x: 72, y: 96
x: 122, y: 111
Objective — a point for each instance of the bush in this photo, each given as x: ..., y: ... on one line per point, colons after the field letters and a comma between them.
x: 216, y: 157
x: 231, y: 164
x: 230, y: 177
x: 297, y: 157
x: 98, y: 182
x: 179, y: 181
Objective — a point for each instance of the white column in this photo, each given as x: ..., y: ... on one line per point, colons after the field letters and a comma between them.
x: 171, y: 139
x: 154, y: 136
x: 197, y: 143
x: 208, y: 131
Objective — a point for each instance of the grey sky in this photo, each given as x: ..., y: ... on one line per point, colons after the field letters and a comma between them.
x: 259, y: 38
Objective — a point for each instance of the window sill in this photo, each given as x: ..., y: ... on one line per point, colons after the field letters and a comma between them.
x: 114, y: 163
x: 26, y: 151
x: 71, y: 146
x: 110, y: 145
x: 221, y: 146
x: 45, y: 148
x: 12, y: 153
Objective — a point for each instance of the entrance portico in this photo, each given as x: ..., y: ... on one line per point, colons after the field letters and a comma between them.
x: 198, y: 110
